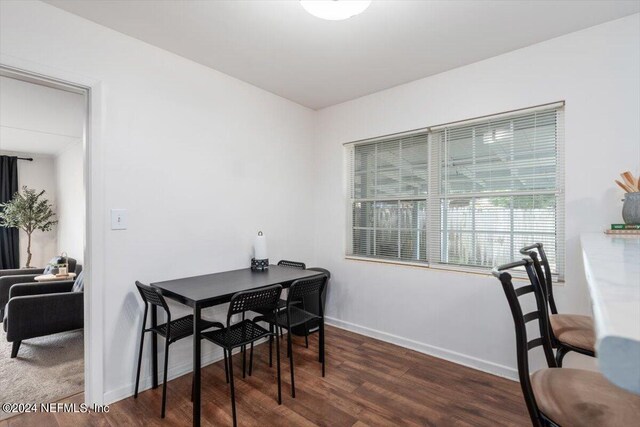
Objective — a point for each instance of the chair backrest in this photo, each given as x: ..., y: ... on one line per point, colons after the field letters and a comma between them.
x: 294, y: 264
x: 523, y: 344
x: 321, y: 270
x: 263, y: 298
x: 311, y: 288
x: 546, y: 278
x: 152, y: 296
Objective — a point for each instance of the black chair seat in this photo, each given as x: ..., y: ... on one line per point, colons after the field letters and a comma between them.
x: 298, y: 317
x: 182, y: 328
x: 239, y: 334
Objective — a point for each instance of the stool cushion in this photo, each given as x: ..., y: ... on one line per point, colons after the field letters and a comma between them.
x: 575, y: 330
x: 577, y: 397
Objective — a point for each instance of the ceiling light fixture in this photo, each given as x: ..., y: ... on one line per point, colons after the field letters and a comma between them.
x: 335, y: 10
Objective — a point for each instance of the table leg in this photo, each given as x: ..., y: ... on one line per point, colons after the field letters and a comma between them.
x: 154, y: 347
x: 196, y: 366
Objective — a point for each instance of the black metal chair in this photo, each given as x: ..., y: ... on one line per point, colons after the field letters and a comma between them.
x: 560, y: 396
x: 569, y: 332
x: 311, y: 305
x: 246, y: 332
x: 281, y: 302
x: 171, y: 331
x: 293, y: 316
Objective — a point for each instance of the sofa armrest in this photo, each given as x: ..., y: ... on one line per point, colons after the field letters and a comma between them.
x: 22, y: 289
x: 38, y: 315
x: 21, y: 271
x: 6, y: 282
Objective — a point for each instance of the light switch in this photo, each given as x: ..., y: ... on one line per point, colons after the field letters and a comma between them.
x: 118, y: 219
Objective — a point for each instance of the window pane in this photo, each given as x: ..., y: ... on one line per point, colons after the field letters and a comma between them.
x: 364, y: 162
x: 363, y: 244
x: 413, y: 168
x: 363, y: 214
x: 387, y: 243
x: 517, y: 154
x: 388, y: 169
x: 413, y: 245
x: 387, y: 214
x: 488, y: 231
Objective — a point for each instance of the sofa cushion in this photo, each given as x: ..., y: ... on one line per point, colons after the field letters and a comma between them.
x: 78, y: 285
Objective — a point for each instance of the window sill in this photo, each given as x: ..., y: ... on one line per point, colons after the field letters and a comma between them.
x: 477, y: 271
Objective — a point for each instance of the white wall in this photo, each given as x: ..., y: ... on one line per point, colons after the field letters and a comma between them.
x: 40, y: 174
x: 201, y: 161
x: 70, y: 201
x: 465, y: 317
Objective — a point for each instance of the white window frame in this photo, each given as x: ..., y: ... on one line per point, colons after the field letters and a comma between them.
x: 434, y: 196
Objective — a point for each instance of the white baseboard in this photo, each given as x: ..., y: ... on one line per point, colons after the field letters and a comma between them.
x: 174, y: 371
x: 452, y: 356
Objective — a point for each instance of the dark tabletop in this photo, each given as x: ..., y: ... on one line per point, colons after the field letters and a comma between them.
x: 218, y: 288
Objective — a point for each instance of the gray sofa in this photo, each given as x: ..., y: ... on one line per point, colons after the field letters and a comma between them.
x: 8, y: 278
x: 39, y: 309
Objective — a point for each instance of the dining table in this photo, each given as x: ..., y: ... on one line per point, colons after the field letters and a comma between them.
x: 200, y: 292
x: 612, y: 267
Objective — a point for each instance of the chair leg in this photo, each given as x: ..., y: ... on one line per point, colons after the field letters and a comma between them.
x: 251, y: 359
x: 226, y: 365
x: 14, y: 349
x: 293, y: 385
x: 135, y: 394
x: 271, y: 345
x: 278, y: 362
x: 164, y: 381
x: 244, y: 361
x: 560, y: 353
x: 233, y: 395
x: 321, y: 340
x: 306, y: 337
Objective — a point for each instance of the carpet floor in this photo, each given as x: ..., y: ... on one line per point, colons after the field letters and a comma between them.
x: 47, y: 369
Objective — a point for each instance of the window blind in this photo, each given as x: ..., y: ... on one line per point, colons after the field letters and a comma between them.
x: 388, y: 183
x: 468, y: 195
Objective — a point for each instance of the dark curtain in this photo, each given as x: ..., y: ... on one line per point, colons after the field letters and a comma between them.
x: 9, y: 247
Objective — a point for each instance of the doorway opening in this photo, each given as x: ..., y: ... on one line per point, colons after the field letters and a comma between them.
x: 43, y: 168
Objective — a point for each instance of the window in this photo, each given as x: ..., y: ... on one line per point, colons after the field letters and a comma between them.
x: 466, y: 196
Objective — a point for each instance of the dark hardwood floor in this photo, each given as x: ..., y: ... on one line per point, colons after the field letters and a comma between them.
x: 368, y: 383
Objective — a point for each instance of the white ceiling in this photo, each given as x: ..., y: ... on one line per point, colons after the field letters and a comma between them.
x: 37, y: 119
x: 279, y: 47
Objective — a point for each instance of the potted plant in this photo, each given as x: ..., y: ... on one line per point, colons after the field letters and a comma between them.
x: 631, y: 207
x: 28, y: 211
